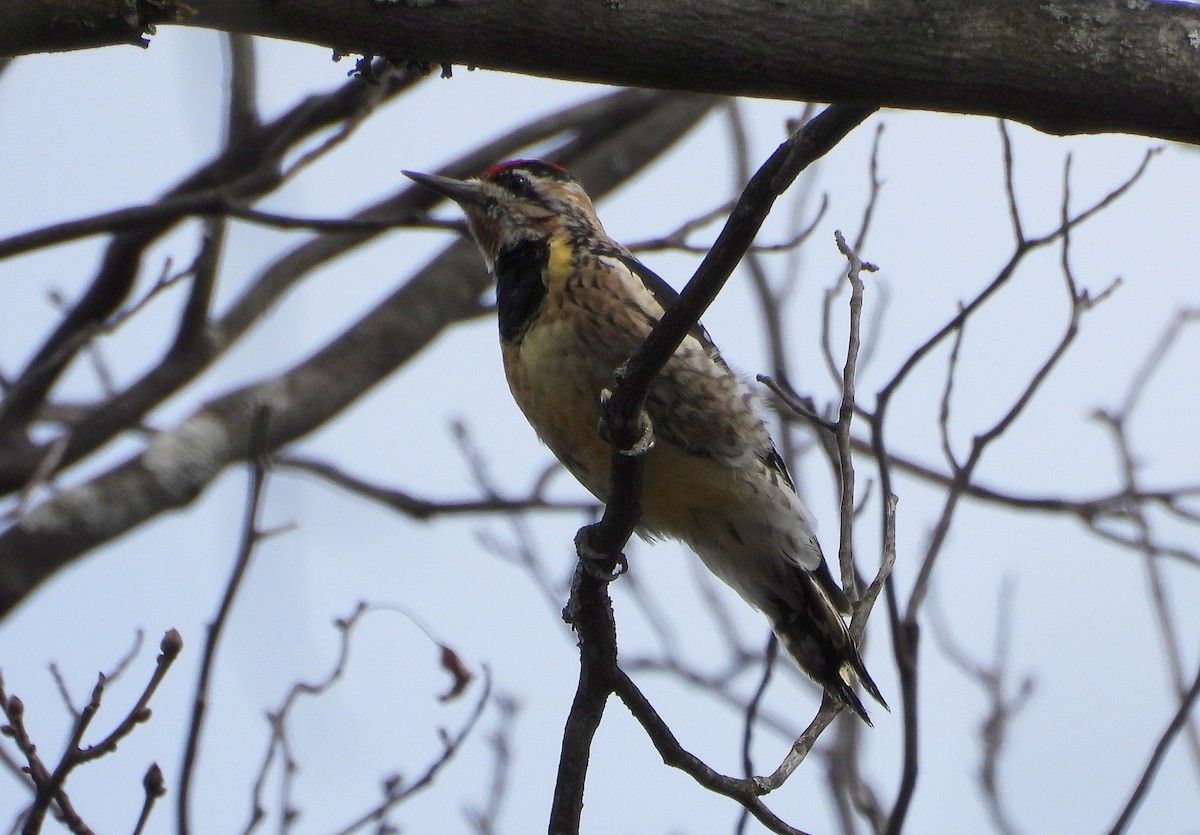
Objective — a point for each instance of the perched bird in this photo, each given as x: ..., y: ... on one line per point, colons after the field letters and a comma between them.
x: 574, y: 304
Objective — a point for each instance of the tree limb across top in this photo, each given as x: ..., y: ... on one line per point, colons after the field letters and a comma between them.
x: 1063, y: 66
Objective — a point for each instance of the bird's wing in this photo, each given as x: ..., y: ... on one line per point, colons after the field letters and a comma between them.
x: 663, y: 292
x: 666, y: 295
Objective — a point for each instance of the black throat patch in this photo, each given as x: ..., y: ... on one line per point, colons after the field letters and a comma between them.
x: 520, y: 285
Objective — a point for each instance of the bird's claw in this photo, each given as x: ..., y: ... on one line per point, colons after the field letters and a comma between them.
x: 605, y: 567
x: 600, y: 571
x: 645, y: 441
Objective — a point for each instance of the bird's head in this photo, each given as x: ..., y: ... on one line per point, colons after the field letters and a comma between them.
x: 516, y: 201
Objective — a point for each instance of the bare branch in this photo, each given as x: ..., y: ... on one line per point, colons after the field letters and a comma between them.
x: 396, y: 791
x: 425, y: 509
x: 846, y: 416
x: 862, y: 608
x: 1080, y: 66
x: 802, y: 746
x: 1010, y: 193
x: 720, y: 687
x: 751, y: 716
x: 250, y: 537
x: 1160, y: 751
x: 744, y: 791
x: 278, y: 746
x: 876, y: 187
x: 1005, y: 274
x: 237, y: 171
x: 154, y: 787
x: 1004, y: 706
x: 904, y: 627
x: 484, y: 820
x: 48, y: 785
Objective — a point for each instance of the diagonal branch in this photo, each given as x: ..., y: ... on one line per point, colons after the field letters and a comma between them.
x: 744, y: 790
x: 621, y: 411
x: 589, y: 609
x: 1177, y: 723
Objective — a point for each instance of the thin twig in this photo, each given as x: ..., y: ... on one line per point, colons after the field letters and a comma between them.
x: 992, y: 677
x: 829, y: 710
x: 719, y: 686
x: 751, y: 717
x: 250, y: 537
x: 1010, y: 192
x: 1160, y: 751
x: 846, y: 416
x: 154, y: 787
x: 425, y: 509
x: 860, y: 239
x: 48, y: 786
x: 396, y: 792
x: 744, y: 791
x: 862, y: 609
x: 484, y: 820
x: 278, y: 745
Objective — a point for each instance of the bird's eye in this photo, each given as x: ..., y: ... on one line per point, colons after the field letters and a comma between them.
x: 517, y: 183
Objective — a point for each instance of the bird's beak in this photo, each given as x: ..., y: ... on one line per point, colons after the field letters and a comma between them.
x: 463, y: 193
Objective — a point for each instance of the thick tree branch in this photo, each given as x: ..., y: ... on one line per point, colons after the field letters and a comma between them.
x: 1068, y: 66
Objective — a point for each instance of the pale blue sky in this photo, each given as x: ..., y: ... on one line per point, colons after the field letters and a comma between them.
x: 98, y: 130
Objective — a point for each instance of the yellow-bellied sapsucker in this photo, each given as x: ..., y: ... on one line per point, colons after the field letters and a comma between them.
x: 573, y: 305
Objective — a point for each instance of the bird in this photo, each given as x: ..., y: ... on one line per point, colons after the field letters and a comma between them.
x: 573, y: 305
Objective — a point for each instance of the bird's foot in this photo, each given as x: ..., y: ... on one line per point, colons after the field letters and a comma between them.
x: 601, y: 566
x: 645, y: 429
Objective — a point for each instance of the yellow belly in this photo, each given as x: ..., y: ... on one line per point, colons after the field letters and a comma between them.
x: 558, y: 388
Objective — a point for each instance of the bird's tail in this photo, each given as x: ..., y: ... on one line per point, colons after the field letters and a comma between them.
x: 813, y: 632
